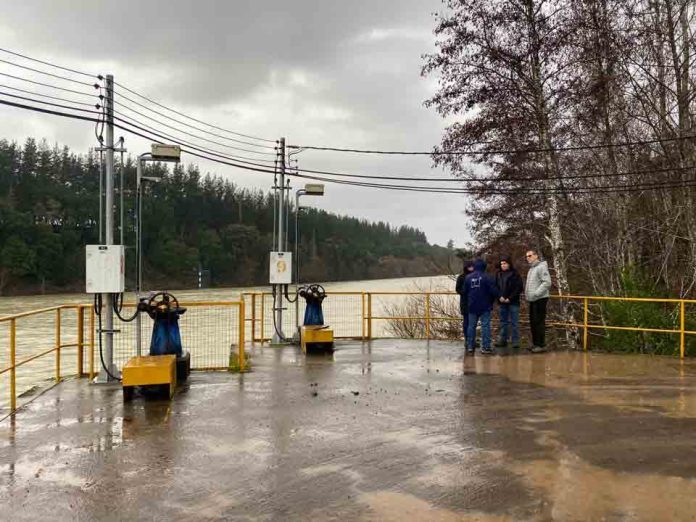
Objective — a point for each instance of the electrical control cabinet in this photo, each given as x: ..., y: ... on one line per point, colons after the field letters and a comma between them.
x: 105, y: 269
x: 281, y: 268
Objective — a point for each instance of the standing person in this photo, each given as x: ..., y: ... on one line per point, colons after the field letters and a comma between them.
x: 481, y: 293
x: 509, y: 284
x: 463, y: 305
x: 536, y: 291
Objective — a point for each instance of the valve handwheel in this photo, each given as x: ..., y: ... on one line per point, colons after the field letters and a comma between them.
x: 165, y: 303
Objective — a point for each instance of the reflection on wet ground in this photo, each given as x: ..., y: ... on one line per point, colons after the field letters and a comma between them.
x: 390, y: 430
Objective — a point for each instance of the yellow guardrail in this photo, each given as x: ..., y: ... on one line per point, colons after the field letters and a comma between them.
x: 353, y: 315
x: 261, y: 314
x: 27, y: 331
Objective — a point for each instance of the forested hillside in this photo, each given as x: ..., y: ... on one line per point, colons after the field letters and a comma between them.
x: 49, y: 206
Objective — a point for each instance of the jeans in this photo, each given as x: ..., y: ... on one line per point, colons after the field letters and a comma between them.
x: 485, y: 330
x: 509, y: 323
x: 465, y: 324
x: 537, y: 320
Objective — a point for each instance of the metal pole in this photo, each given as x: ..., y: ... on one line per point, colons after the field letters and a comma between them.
x: 139, y: 251
x: 109, y: 225
x: 287, y: 214
x: 278, y: 335
x: 101, y: 196
x: 120, y: 195
x: 297, y: 259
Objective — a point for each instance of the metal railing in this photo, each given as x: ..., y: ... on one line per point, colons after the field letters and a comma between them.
x: 71, y: 331
x: 367, y: 312
x: 210, y: 329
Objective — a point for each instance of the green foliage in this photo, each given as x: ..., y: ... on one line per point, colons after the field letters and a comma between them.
x: 663, y: 316
x: 49, y: 209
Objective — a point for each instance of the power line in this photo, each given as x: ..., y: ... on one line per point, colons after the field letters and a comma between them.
x: 46, y: 84
x: 4, y: 86
x: 193, y: 126
x: 48, y: 73
x: 48, y: 111
x: 220, y: 158
x: 145, y: 128
x: 188, y: 133
x: 495, y: 151
x: 33, y: 100
x: 48, y: 63
x: 191, y: 117
x: 560, y: 190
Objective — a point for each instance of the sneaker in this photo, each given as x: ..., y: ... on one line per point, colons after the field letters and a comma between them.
x: 501, y: 344
x: 487, y: 351
x: 538, y: 349
x: 470, y: 352
x: 516, y: 347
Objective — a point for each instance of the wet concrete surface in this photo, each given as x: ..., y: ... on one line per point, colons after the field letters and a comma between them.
x: 388, y: 430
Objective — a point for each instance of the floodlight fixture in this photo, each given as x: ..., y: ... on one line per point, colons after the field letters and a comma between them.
x: 314, y: 189
x: 165, y: 152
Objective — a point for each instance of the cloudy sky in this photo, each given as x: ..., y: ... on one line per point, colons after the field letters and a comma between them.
x: 320, y: 72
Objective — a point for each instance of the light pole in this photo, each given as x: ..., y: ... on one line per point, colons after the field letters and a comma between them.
x: 310, y: 189
x: 159, y: 152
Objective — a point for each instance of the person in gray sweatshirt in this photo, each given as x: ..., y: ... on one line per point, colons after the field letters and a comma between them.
x: 536, y: 291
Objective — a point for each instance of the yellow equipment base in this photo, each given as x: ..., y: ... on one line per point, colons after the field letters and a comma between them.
x: 316, y: 337
x: 148, y: 370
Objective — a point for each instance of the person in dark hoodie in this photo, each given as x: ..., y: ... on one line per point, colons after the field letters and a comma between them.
x: 481, y: 293
x: 510, y: 286
x: 463, y: 305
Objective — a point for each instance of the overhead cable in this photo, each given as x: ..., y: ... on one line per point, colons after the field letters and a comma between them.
x: 164, y: 135
x: 47, y: 96
x: 46, y: 84
x: 202, y: 138
x: 33, y: 100
x: 496, y: 151
x: 58, y: 76
x: 191, y: 117
x: 48, y: 63
x: 559, y: 190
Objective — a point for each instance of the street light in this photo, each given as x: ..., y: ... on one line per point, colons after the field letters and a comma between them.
x: 158, y: 152
x: 310, y: 189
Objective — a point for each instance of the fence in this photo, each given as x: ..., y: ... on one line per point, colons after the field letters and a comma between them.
x: 210, y: 329
x: 70, y: 332
x: 371, y: 315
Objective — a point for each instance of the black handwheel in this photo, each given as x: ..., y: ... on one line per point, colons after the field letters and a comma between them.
x: 166, y: 302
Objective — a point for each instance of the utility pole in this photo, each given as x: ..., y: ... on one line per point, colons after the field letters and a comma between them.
x: 108, y: 299
x: 278, y: 335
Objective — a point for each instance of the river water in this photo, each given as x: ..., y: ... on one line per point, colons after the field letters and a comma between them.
x: 208, y: 332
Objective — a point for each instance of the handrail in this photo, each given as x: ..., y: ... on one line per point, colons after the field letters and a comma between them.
x: 367, y: 318
x: 81, y: 343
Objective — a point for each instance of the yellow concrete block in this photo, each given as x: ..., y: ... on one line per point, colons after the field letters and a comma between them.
x: 319, y: 336
x: 148, y: 370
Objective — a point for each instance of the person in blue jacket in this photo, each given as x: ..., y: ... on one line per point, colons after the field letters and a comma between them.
x: 463, y: 304
x: 481, y: 292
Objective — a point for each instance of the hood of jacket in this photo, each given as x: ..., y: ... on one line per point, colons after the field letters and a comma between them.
x: 508, y: 260
x: 480, y: 265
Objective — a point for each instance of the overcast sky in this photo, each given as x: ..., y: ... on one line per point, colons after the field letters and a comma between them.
x: 320, y: 72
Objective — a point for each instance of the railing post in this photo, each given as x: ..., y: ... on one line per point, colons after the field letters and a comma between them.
x: 80, y: 340
x: 58, y: 311
x: 369, y: 315
x: 253, y: 318
x: 682, y: 323
x: 427, y: 315
x: 585, y: 323
x: 362, y: 313
x: 263, y: 315
x: 13, y: 368
x: 91, y: 343
x: 242, y: 326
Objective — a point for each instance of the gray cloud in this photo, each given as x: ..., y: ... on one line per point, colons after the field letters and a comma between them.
x: 321, y: 72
